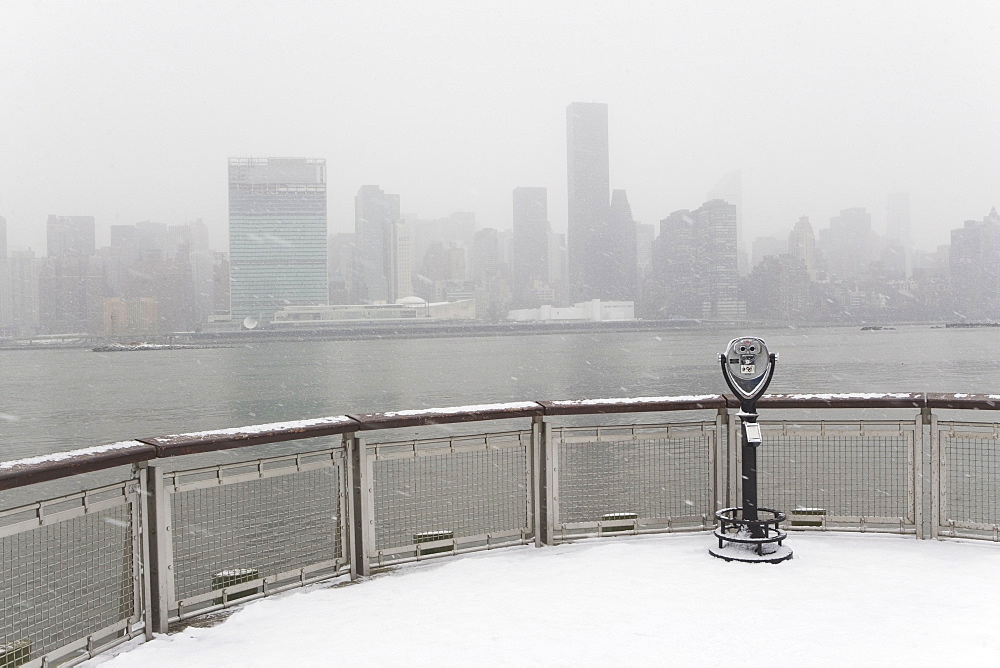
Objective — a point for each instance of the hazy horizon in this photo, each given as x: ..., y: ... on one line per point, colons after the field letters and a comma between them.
x: 129, y: 112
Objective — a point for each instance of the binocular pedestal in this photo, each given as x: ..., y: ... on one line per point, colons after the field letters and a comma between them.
x: 749, y: 533
x: 743, y: 534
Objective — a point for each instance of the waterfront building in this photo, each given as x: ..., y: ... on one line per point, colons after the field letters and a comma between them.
x: 676, y: 266
x: 382, y: 265
x: 455, y: 231
x: 277, y: 234
x: 764, y: 247
x: 340, y: 255
x: 730, y: 190
x: 131, y: 317
x: 588, y: 177
x: 695, y: 264
x: 849, y: 244
x: 530, y: 257
x: 171, y: 265
x: 70, y: 295
x: 70, y: 236
x: 487, y: 256
x: 975, y: 269
x: 19, y: 306
x: 220, y: 287
x: 645, y: 235
x: 779, y: 287
x: 594, y: 310
x: 719, y: 277
x: 490, y: 273
x: 897, y: 226
x: 623, y: 280
x: 802, y: 245
x: 407, y: 309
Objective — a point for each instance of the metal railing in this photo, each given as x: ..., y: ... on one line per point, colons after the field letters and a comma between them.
x: 85, y: 571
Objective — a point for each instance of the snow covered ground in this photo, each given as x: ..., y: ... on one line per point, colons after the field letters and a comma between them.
x: 649, y: 600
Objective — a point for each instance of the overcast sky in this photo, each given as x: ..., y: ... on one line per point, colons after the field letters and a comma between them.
x: 128, y: 111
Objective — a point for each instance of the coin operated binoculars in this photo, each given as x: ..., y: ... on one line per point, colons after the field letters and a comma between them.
x: 744, y: 535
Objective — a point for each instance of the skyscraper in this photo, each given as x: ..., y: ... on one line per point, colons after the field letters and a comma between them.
x: 530, y: 257
x: 695, y: 263
x: 730, y: 190
x: 382, y: 254
x: 623, y: 280
x: 277, y: 235
x: 3, y: 238
x: 849, y: 244
x: 802, y: 245
x: 588, y: 238
x: 975, y: 268
x: 898, y: 225
x: 717, y: 226
x: 68, y: 236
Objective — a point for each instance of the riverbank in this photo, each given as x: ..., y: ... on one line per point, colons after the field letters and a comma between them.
x: 409, y: 330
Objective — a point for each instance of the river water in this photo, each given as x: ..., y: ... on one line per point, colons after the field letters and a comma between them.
x: 54, y: 400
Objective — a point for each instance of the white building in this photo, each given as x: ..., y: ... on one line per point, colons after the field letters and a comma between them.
x: 594, y: 311
x: 409, y: 309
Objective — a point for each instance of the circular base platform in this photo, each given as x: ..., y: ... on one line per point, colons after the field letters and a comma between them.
x: 748, y: 554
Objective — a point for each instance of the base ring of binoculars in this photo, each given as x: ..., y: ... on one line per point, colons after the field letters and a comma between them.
x: 747, y: 540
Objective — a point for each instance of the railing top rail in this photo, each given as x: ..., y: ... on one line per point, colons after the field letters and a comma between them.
x: 31, y: 470
x: 841, y: 400
x: 243, y: 437
x: 428, y: 416
x: 22, y: 472
x: 635, y: 404
x: 975, y: 402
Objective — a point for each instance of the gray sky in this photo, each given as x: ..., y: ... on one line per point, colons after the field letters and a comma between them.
x: 128, y: 111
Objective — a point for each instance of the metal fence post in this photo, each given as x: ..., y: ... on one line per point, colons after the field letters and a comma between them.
x: 920, y: 459
x: 145, y: 560
x: 160, y: 551
x: 540, y: 484
x: 721, y: 462
x: 550, y: 468
x: 735, y: 459
x: 361, y: 505
x: 936, y: 457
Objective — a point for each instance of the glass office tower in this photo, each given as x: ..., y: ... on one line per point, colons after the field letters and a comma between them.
x: 277, y: 235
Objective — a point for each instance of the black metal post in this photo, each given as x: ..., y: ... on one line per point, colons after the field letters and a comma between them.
x: 750, y: 474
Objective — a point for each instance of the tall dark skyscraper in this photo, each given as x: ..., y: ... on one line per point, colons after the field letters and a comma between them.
x: 277, y: 234
x: 530, y: 258
x: 622, y: 248
x: 590, y: 262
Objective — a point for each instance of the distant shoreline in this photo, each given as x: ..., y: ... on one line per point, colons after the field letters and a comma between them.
x: 356, y: 332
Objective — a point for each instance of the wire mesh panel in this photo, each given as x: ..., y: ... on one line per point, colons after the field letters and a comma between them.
x: 254, y: 528
x: 839, y: 474
x: 968, y: 476
x: 445, y: 495
x: 69, y: 575
x: 637, y: 478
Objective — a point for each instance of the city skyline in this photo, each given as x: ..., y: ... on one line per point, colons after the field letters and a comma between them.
x: 125, y: 113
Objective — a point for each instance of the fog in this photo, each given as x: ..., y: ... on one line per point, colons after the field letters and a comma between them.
x: 128, y: 111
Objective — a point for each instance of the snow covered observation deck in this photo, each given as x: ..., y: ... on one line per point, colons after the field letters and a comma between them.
x: 192, y: 530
